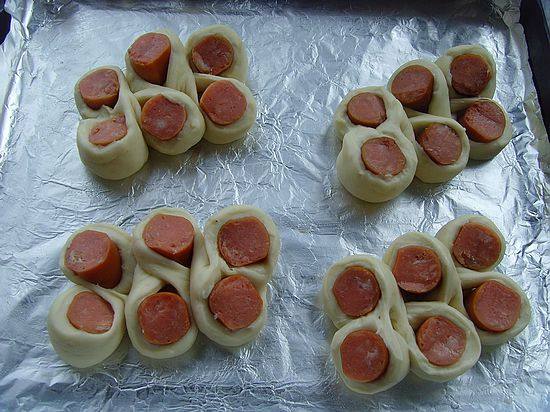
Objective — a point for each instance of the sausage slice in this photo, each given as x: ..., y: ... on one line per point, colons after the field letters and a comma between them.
x: 470, y: 74
x: 356, y: 291
x: 382, y: 156
x: 212, y: 55
x: 149, y: 57
x: 476, y: 246
x: 243, y: 241
x: 367, y: 109
x: 223, y: 103
x: 440, y: 143
x: 100, y: 88
x: 364, y: 355
x: 483, y: 121
x: 170, y: 236
x: 109, y: 131
x: 441, y: 341
x: 162, y: 118
x: 90, y: 313
x: 413, y: 87
x: 417, y: 269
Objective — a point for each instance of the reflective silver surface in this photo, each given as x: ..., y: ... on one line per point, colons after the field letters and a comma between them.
x: 303, y: 59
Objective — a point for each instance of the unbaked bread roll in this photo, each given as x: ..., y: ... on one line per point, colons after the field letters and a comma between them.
x: 438, y: 102
x: 210, y: 267
x: 393, y: 112
x: 193, y: 127
x: 75, y: 345
x: 435, y: 162
x: 395, y: 173
x: 445, y: 61
x: 226, y: 36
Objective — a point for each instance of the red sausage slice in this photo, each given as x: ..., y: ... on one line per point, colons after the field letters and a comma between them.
x: 441, y: 341
x: 94, y: 257
x: 417, y: 269
x: 441, y: 144
x: 470, y: 74
x: 100, y: 88
x: 90, y: 313
x: 212, y: 55
x: 364, y: 355
x: 235, y: 302
x: 476, y: 246
x: 493, y: 306
x: 150, y: 55
x: 356, y: 291
x: 163, y: 318
x: 170, y: 236
x: 382, y: 156
x: 413, y: 87
x: 223, y: 103
x: 243, y: 241
x: 162, y: 118
x: 483, y: 121
x: 367, y: 109
x: 108, y: 131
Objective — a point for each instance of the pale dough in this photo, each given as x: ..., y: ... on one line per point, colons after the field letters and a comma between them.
x: 439, y: 105
x: 361, y: 182
x: 448, y: 232
x: 471, y: 279
x: 485, y: 151
x: 429, y: 171
x: 179, y: 76
x: 444, y: 63
x: 239, y: 68
x: 209, y: 267
x: 124, y: 243
x: 192, y: 131
x: 76, y: 347
x: 219, y: 134
x: 395, y: 115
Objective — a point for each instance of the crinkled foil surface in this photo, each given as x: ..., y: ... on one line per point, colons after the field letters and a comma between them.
x: 304, y: 57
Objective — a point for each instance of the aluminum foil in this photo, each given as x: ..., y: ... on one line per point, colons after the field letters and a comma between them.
x: 303, y: 59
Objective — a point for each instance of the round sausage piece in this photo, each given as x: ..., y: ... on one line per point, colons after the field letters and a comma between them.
x: 108, y: 131
x: 417, y: 269
x: 441, y: 341
x: 367, y: 109
x: 383, y: 157
x: 100, y: 88
x: 170, y: 236
x: 212, y: 55
x: 235, y: 302
x: 470, y: 74
x: 163, y: 318
x: 162, y: 118
x: 476, y: 246
x: 94, y: 257
x: 440, y: 143
x: 90, y: 313
x: 150, y: 55
x: 356, y: 291
x: 483, y: 121
x: 223, y: 103
x: 493, y: 307
x: 243, y: 241
x: 413, y: 87
x: 364, y: 355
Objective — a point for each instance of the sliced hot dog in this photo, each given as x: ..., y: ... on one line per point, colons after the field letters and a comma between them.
x: 476, y: 246
x: 356, y: 291
x: 243, y: 241
x: 223, y: 103
x: 470, y: 74
x: 364, y: 355
x: 163, y: 318
x: 417, y: 269
x: 382, y: 156
x: 170, y: 236
x: 441, y: 341
x: 150, y: 55
x: 493, y: 307
x: 100, y: 88
x: 90, y: 313
x: 212, y: 55
x: 162, y: 118
x: 94, y: 257
x: 440, y: 143
x: 108, y: 131
x: 367, y: 109
x: 483, y: 121
x: 235, y: 302
x: 413, y: 87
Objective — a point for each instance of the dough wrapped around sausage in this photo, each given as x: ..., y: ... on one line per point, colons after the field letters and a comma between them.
x: 241, y: 247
